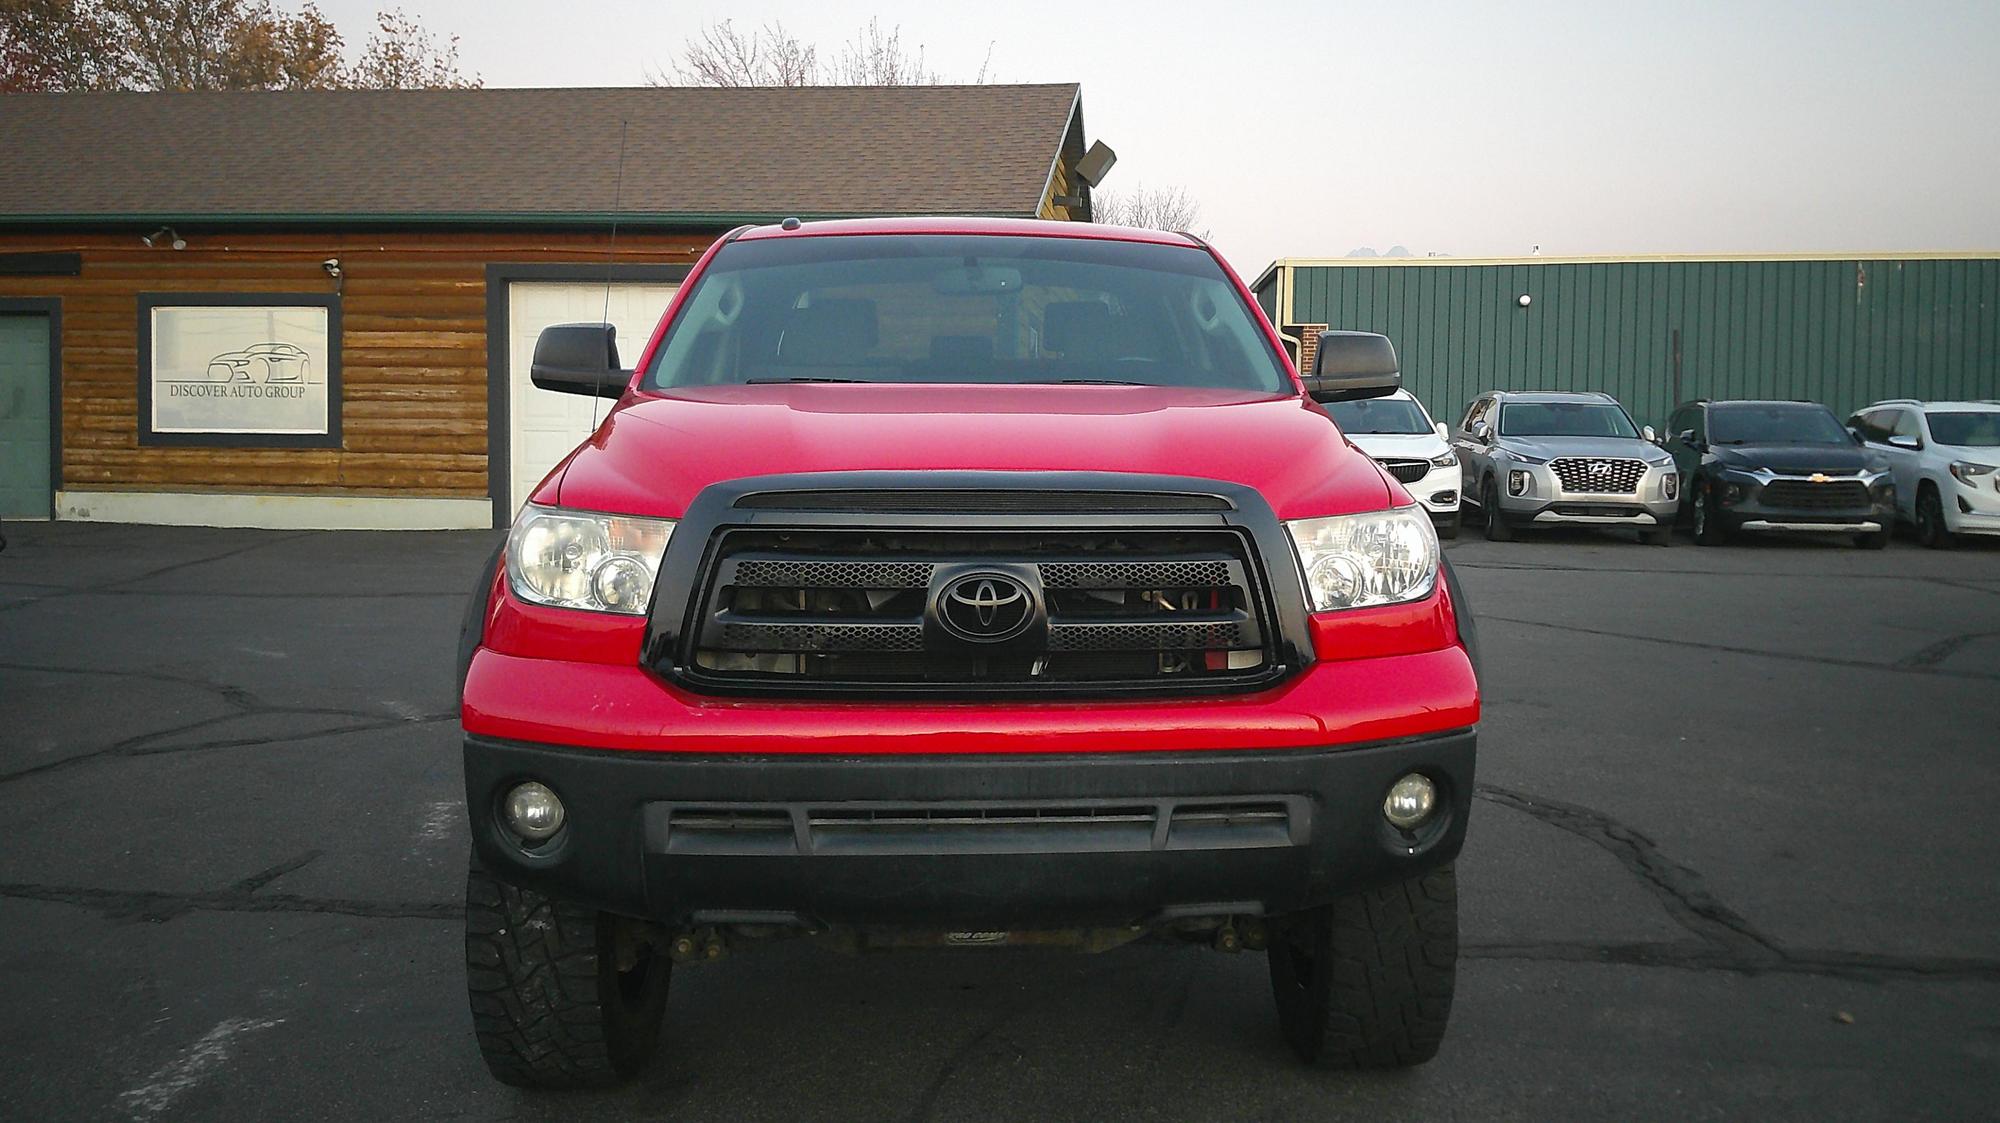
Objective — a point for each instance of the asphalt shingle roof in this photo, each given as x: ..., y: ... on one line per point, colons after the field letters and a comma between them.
x: 689, y: 152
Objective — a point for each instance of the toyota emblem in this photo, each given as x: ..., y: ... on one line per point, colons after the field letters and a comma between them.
x: 986, y: 608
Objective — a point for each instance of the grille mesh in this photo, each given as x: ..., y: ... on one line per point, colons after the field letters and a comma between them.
x: 1408, y: 471
x: 1580, y: 474
x: 822, y: 637
x: 1146, y: 637
x: 1134, y: 575
x: 1805, y: 495
x: 833, y: 575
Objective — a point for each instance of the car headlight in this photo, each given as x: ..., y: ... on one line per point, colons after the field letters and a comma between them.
x: 1525, y: 457
x: 1353, y: 561
x: 587, y: 560
x: 1969, y: 473
x: 1445, y: 461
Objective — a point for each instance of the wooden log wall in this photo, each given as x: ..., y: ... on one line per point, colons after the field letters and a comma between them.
x: 413, y: 350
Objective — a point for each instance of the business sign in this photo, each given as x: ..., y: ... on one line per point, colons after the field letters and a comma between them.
x: 241, y: 369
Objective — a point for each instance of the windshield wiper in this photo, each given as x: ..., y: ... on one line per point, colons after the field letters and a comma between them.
x: 800, y: 378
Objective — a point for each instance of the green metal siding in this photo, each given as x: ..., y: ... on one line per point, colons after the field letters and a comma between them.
x: 1843, y: 332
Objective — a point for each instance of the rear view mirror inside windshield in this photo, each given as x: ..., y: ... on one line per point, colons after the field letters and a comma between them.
x: 970, y: 280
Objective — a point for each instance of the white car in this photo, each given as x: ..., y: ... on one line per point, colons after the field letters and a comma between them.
x: 1946, y: 460
x: 1401, y: 436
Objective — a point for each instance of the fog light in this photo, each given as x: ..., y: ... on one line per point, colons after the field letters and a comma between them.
x: 1410, y: 801
x: 1670, y: 485
x: 1517, y: 482
x: 533, y: 811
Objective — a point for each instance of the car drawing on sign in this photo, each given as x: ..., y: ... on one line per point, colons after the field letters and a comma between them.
x: 282, y: 363
x: 1554, y: 458
x: 963, y: 583
x: 1397, y: 431
x: 1779, y: 466
x: 1945, y: 457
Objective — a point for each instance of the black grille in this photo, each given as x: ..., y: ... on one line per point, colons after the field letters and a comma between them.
x: 1805, y: 495
x: 812, y: 608
x: 1598, y: 474
x: 979, y: 501
x: 1408, y: 471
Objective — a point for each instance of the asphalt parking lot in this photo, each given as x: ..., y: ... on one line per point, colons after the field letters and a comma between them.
x: 1734, y: 856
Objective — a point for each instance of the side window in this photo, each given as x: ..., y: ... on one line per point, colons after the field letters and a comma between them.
x: 1906, y: 424
x: 1868, y: 423
x: 1698, y: 421
x: 1477, y: 411
x: 1677, y: 423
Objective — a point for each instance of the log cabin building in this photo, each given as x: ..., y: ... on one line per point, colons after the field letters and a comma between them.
x: 316, y: 308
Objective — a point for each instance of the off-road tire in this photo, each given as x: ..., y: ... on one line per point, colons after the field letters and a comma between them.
x: 1709, y: 529
x: 1497, y: 529
x: 549, y: 1007
x: 1931, y: 528
x: 1366, y: 982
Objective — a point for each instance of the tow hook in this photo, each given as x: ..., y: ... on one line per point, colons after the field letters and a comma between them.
x: 697, y: 945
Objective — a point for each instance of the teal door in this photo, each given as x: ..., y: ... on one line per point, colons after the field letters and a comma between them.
x: 24, y: 417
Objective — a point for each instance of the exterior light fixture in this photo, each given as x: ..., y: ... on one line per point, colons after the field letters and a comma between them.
x: 167, y: 234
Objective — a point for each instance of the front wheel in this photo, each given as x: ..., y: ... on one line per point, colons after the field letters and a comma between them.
x: 1931, y: 528
x: 1708, y: 527
x: 1367, y: 981
x: 1497, y: 529
x: 562, y: 996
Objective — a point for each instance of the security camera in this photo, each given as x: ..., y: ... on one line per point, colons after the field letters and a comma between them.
x: 332, y: 266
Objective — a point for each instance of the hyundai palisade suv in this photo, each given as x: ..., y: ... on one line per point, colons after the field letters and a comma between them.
x: 963, y: 583
x: 1945, y: 457
x: 1779, y: 466
x: 1400, y: 435
x: 1559, y: 458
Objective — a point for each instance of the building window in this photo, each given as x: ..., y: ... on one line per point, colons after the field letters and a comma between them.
x: 239, y: 370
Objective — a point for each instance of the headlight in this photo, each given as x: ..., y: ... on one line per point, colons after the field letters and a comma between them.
x: 582, y: 559
x: 1526, y: 457
x: 1447, y: 460
x: 1969, y: 473
x: 1381, y: 557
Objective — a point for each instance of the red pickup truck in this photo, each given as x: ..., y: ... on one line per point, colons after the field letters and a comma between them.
x: 962, y: 582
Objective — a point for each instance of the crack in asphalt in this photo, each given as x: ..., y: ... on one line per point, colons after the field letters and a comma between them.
x: 1757, y: 652
x: 1938, y: 652
x: 160, y: 572
x: 1679, y: 889
x: 1818, y: 962
x: 159, y: 905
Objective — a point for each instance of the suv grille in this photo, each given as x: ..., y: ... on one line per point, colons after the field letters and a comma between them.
x: 812, y: 608
x: 1805, y: 495
x: 1408, y: 471
x: 1598, y: 474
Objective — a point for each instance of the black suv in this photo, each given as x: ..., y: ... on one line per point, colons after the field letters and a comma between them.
x: 1756, y: 465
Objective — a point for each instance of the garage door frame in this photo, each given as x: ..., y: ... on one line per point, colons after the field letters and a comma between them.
x: 52, y: 308
x: 499, y: 414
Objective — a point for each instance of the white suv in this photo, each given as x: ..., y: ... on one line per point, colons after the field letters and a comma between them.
x: 1399, y: 434
x: 1946, y: 460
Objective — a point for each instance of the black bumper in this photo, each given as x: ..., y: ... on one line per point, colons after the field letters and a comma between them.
x: 958, y: 842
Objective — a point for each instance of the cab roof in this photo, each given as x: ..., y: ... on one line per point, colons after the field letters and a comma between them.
x: 946, y: 224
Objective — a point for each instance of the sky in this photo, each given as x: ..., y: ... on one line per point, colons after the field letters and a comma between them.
x: 1311, y: 129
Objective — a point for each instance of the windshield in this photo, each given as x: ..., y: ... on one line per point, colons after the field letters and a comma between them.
x: 965, y: 309
x: 1775, y: 424
x: 1565, y: 419
x: 1978, y: 430
x: 1380, y: 415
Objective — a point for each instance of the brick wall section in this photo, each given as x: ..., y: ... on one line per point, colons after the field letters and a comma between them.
x: 1308, y: 344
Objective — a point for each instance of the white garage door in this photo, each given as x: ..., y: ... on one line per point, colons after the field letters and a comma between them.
x: 546, y: 425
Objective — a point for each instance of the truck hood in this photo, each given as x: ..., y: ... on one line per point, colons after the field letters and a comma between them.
x: 655, y: 453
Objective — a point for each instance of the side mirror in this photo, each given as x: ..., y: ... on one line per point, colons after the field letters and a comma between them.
x: 1351, y: 365
x: 579, y: 359
x: 1444, y: 431
x: 1480, y: 433
x: 1905, y: 441
x: 1648, y: 433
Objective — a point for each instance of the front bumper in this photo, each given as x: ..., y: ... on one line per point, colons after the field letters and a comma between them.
x: 1746, y: 505
x: 956, y: 842
x: 1972, y: 508
x: 1542, y: 500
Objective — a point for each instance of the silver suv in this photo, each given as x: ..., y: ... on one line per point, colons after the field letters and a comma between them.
x: 1549, y: 458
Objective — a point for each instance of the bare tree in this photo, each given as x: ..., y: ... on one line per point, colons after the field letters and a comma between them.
x: 208, y: 45
x: 1156, y: 208
x: 721, y: 55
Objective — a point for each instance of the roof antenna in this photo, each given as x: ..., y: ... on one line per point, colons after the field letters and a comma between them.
x: 611, y: 252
